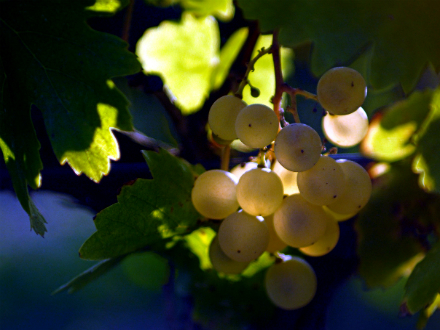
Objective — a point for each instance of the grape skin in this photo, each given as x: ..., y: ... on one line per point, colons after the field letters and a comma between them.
x: 256, y: 125
x: 214, y: 194
x: 243, y: 237
x: 221, y: 262
x: 299, y: 223
x: 341, y: 90
x: 326, y: 243
x: 291, y: 284
x: 223, y: 114
x: 346, y: 131
x: 297, y: 147
x: 358, y: 188
x: 323, y: 183
x: 288, y: 178
x: 242, y: 168
x: 275, y: 243
x: 260, y: 191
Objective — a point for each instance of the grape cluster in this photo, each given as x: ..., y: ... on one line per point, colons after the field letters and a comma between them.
x: 297, y: 202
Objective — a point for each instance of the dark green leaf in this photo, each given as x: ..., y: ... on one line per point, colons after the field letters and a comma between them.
x: 390, y: 226
x: 403, y: 34
x: 89, y: 275
x: 147, y: 211
x: 424, y: 282
x: 56, y: 62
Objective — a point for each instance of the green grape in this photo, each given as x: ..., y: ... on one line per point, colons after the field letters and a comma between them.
x: 341, y: 90
x: 275, y: 243
x: 326, y: 243
x: 260, y: 191
x: 299, y: 223
x: 297, y: 147
x: 291, y: 284
x: 358, y: 188
x: 346, y: 131
x: 221, y: 262
x: 222, y: 116
x: 214, y: 194
x: 242, y: 168
x: 337, y: 216
x: 323, y: 183
x: 256, y: 125
x: 243, y: 237
x: 288, y: 178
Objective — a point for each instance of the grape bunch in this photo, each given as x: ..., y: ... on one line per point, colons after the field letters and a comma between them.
x: 298, y: 201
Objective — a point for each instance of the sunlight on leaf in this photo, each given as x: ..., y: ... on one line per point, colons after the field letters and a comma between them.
x: 108, y: 6
x: 184, y: 54
x: 198, y: 242
x: 222, y: 9
x: 228, y: 53
x: 146, y: 211
x: 263, y: 77
x: 427, y: 163
x: 391, y: 134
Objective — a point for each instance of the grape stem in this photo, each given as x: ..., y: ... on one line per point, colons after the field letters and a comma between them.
x: 226, y: 154
x: 281, y: 87
x: 250, y: 67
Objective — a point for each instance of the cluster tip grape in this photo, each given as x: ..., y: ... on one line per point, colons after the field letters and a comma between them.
x: 299, y: 200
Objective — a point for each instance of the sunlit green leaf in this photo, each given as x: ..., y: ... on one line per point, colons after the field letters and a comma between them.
x: 428, y: 160
x: 147, y: 211
x: 222, y: 9
x: 89, y: 275
x: 108, y: 6
x: 403, y: 34
x: 388, y: 246
x: 184, y: 54
x: 198, y: 242
x: 424, y: 282
x: 390, y: 137
x: 228, y: 53
x: 426, y: 313
x: 63, y: 67
x: 263, y: 77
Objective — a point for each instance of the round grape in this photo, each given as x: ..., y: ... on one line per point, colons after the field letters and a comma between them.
x: 323, y: 183
x: 256, y: 125
x: 341, y: 90
x: 291, y: 284
x: 221, y: 262
x: 275, y: 243
x: 297, y: 147
x: 299, y: 223
x: 223, y: 114
x: 214, y: 194
x: 288, y: 178
x: 260, y: 191
x: 358, y: 188
x: 243, y: 237
x: 346, y: 131
x: 326, y: 243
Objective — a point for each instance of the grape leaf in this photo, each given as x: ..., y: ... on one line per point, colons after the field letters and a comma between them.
x: 390, y: 136
x: 402, y: 34
x: 19, y: 145
x: 147, y: 211
x: 427, y: 163
x: 89, y: 275
x: 423, y: 285
x: 222, y: 9
x: 63, y: 67
x: 108, y: 6
x: 388, y: 241
x: 51, y: 59
x: 184, y: 54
